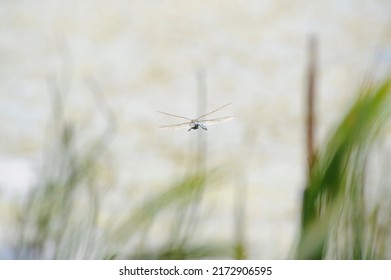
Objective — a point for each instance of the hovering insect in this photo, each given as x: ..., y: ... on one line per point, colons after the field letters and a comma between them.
x: 198, y: 122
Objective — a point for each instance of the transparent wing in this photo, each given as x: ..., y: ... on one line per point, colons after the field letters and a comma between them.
x: 218, y: 120
x: 207, y: 114
x: 176, y: 126
x: 173, y: 115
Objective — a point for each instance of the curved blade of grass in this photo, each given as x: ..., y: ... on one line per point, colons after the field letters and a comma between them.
x: 334, y: 176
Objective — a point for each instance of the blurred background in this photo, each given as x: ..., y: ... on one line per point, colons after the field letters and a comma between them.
x: 85, y: 171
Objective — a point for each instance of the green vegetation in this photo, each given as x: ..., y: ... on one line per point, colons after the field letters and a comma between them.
x: 64, y: 215
x: 341, y: 219
x: 345, y: 213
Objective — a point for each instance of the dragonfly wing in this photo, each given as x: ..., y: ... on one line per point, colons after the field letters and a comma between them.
x: 171, y: 115
x: 218, y: 120
x: 207, y: 114
x: 176, y: 126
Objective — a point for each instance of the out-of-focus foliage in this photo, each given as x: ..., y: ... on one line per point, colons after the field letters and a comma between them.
x: 62, y: 218
x: 339, y: 220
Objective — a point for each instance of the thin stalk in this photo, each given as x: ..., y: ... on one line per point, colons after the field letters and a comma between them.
x: 311, y: 95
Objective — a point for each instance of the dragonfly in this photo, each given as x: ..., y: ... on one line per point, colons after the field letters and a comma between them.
x: 197, y: 123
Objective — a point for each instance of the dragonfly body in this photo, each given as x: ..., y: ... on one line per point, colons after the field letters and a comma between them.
x: 194, y: 124
x: 197, y: 123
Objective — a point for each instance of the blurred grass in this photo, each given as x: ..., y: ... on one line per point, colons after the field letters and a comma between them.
x: 336, y: 222
x: 62, y: 217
